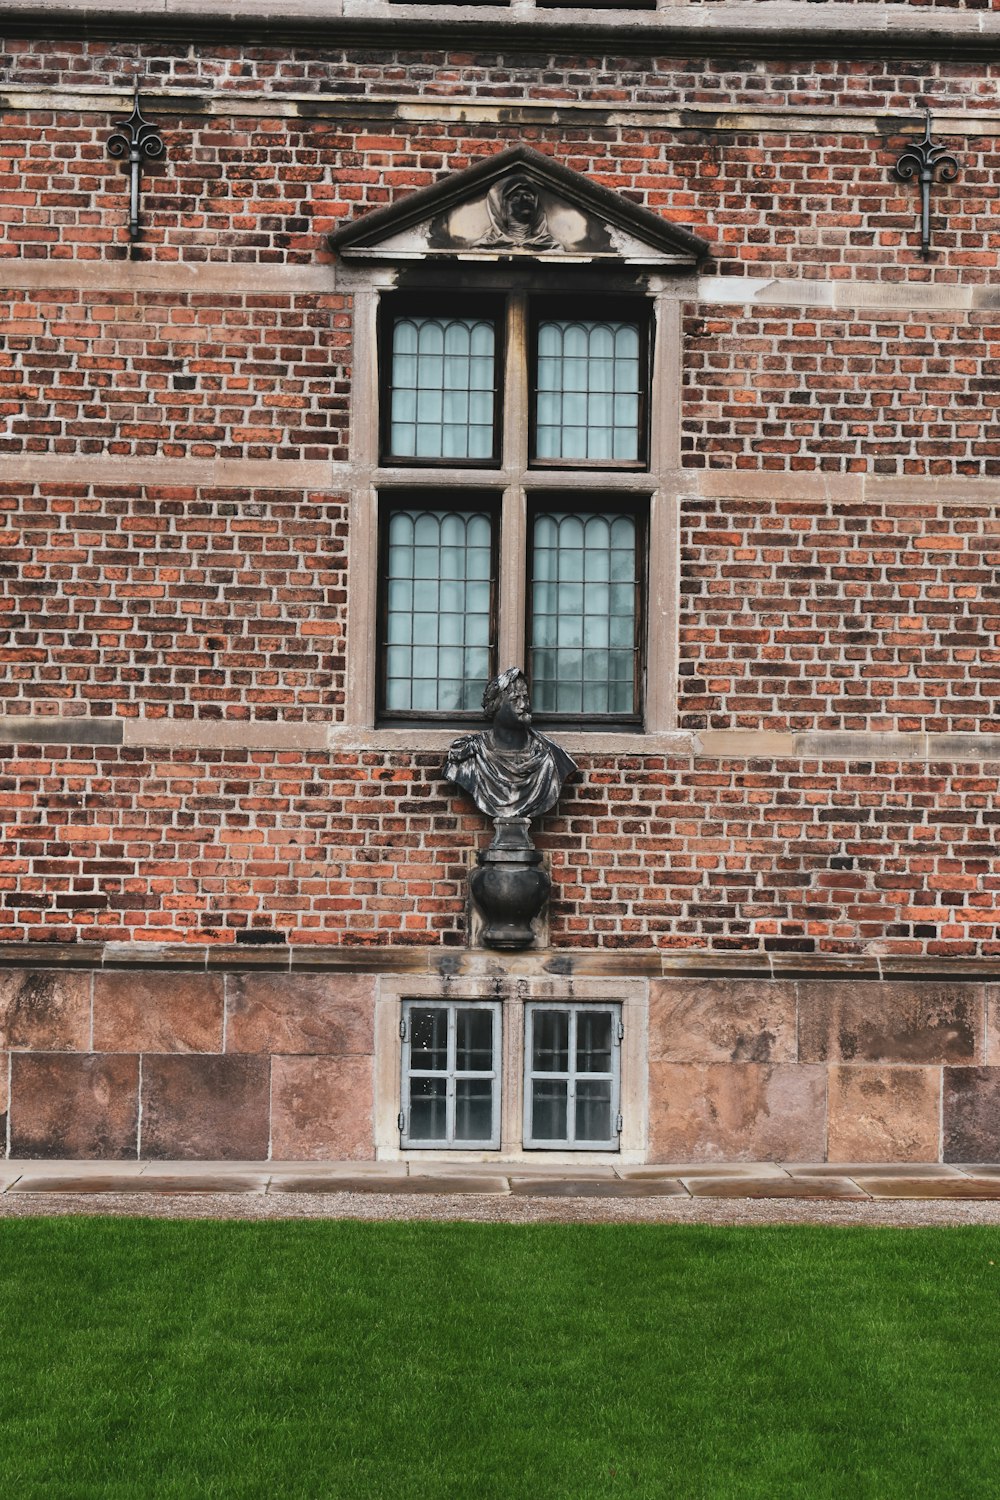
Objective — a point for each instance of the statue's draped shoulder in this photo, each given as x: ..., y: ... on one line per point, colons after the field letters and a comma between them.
x: 503, y: 784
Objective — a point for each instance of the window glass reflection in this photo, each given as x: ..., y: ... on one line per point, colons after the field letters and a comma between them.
x: 438, y: 610
x: 443, y: 383
x: 550, y: 1041
x: 474, y: 1041
x: 587, y: 401
x: 583, y: 613
x: 429, y: 1039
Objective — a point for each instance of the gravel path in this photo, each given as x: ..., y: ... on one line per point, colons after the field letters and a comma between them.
x: 498, y: 1209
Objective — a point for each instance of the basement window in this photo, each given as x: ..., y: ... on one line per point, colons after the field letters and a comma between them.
x: 572, y: 1077
x: 451, y: 1075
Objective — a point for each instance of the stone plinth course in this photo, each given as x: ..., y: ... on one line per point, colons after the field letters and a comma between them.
x: 750, y: 1180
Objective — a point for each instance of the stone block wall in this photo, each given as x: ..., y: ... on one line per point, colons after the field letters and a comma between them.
x: 185, y: 1065
x: 238, y: 1065
x: 824, y: 1070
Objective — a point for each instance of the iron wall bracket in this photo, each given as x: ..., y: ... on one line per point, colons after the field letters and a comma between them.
x: 133, y: 140
x: 922, y: 160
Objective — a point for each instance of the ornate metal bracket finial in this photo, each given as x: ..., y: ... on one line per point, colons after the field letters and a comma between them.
x: 922, y: 160
x: 134, y: 138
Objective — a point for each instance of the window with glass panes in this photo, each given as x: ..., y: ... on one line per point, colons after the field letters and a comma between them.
x: 589, y: 391
x: 584, y: 611
x: 450, y: 1094
x: 438, y: 611
x: 572, y: 1076
x: 442, y: 585
x: 442, y: 369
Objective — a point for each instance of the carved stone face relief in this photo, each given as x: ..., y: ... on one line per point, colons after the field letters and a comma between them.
x: 516, y: 216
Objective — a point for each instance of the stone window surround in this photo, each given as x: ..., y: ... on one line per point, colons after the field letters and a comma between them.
x: 660, y: 484
x: 513, y: 992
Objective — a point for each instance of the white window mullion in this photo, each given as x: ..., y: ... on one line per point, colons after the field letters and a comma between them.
x: 450, y: 1099
x: 571, y: 1081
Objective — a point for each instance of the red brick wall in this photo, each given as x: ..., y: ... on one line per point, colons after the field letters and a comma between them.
x: 884, y: 393
x: 173, y: 376
x: 244, y: 189
x: 171, y: 601
x: 121, y: 600
x: 827, y: 615
x: 782, y: 204
x: 801, y: 857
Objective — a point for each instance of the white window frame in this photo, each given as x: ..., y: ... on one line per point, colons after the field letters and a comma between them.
x: 452, y: 1074
x: 495, y: 979
x: 570, y: 1075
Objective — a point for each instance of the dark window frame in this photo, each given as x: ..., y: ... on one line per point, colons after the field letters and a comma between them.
x: 636, y: 310
x: 395, y: 307
x: 435, y: 502
x: 569, y: 502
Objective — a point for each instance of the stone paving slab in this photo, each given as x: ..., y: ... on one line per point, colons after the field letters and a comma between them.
x: 842, y: 1188
x: 702, y: 1169
x: 86, y: 1169
x: 961, y: 1187
x: 388, y: 1172
x: 746, y: 1181
x: 870, y: 1169
x: 362, y: 1183
x: 153, y: 1182
x: 584, y: 1187
x: 553, y: 1169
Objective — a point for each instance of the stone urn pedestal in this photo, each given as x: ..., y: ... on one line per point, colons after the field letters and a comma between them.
x: 510, y: 886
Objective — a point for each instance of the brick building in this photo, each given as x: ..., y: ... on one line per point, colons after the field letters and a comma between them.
x: 694, y: 427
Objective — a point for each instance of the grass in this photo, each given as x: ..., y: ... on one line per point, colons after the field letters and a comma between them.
x: 169, y: 1358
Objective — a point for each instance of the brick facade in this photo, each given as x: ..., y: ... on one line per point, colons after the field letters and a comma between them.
x: 184, y: 759
x: 764, y: 856
x: 172, y: 600
x: 892, y: 393
x: 811, y: 614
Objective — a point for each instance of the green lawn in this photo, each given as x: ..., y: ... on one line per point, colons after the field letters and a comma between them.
x: 168, y: 1358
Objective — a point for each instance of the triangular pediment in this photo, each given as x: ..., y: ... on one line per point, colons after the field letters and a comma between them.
x: 518, y: 205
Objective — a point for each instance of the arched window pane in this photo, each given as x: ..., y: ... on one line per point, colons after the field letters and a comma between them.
x: 588, y: 384
x: 584, y: 630
x: 437, y: 626
x: 443, y: 381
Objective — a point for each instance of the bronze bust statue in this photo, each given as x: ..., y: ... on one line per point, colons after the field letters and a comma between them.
x: 510, y: 770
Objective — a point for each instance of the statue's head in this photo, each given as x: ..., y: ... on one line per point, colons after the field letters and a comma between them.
x: 521, y: 203
x: 516, y: 213
x: 509, y: 688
